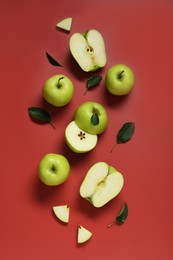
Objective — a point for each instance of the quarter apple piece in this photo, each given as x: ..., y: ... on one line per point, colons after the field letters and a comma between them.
x: 101, y: 184
x: 62, y: 212
x: 83, y: 234
x: 88, y: 50
x: 78, y: 140
x: 65, y: 24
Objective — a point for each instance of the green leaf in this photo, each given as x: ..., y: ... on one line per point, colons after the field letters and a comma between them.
x: 126, y: 132
x: 92, y: 82
x: 95, y: 119
x: 122, y: 216
x: 40, y: 114
x: 52, y: 60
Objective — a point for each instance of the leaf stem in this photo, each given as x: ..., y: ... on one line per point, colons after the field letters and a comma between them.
x: 111, y: 224
x: 52, y: 125
x: 113, y: 147
x: 85, y: 92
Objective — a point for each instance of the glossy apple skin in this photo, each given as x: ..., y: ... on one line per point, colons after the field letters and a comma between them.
x: 53, y: 169
x: 58, y: 90
x: 83, y: 115
x: 119, y: 80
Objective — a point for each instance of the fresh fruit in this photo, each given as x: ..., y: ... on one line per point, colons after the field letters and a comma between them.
x: 62, y: 212
x: 91, y: 117
x: 101, y: 184
x: 58, y: 90
x: 83, y: 235
x: 78, y: 140
x: 88, y: 49
x: 53, y: 169
x: 65, y: 24
x: 119, y: 80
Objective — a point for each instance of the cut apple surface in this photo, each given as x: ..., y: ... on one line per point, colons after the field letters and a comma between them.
x: 83, y: 235
x: 78, y: 140
x: 65, y: 24
x: 101, y: 184
x: 62, y: 212
x: 88, y: 50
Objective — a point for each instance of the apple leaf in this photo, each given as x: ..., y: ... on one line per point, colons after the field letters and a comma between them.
x: 126, y: 132
x: 92, y: 82
x: 95, y: 119
x: 52, y: 60
x: 122, y: 216
x: 40, y: 114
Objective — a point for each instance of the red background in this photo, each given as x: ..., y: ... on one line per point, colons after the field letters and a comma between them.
x: 138, y: 34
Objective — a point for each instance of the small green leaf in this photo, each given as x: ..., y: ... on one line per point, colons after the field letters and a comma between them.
x: 92, y: 82
x: 126, y: 132
x: 122, y: 216
x: 95, y: 119
x: 40, y: 114
x: 52, y: 60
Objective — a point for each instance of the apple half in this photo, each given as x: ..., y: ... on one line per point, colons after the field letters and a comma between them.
x: 101, y: 184
x: 78, y: 140
x: 62, y: 212
x: 88, y: 49
x: 83, y: 235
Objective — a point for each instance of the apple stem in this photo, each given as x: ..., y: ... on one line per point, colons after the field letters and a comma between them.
x: 113, y: 147
x: 52, y: 125
x: 59, y: 85
x: 120, y: 75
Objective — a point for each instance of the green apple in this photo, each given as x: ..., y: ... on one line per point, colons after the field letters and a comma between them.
x: 101, y: 184
x: 62, y: 212
x: 91, y: 117
x: 78, y: 140
x: 58, y: 90
x: 65, y: 24
x: 88, y: 49
x: 119, y: 80
x: 83, y: 234
x: 53, y: 169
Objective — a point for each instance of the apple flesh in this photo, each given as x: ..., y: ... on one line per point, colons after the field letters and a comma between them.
x: 83, y: 117
x: 119, y: 80
x: 101, y: 184
x: 62, y: 212
x: 53, y: 169
x: 58, y: 90
x: 88, y: 50
x: 78, y: 140
x: 83, y: 234
x: 65, y: 24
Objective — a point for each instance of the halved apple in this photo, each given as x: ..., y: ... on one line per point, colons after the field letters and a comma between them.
x: 83, y: 234
x: 65, y: 24
x: 62, y: 212
x: 88, y: 49
x: 101, y: 184
x: 78, y: 140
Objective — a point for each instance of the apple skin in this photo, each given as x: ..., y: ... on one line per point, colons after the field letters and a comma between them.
x: 53, y: 169
x: 119, y: 80
x: 83, y: 115
x: 58, y: 90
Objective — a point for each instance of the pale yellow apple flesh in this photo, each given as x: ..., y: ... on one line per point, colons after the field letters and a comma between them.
x: 83, y: 235
x: 62, y: 212
x: 101, y: 184
x: 65, y: 24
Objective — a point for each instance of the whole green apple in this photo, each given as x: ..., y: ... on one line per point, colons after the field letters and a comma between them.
x: 91, y: 117
x: 119, y: 80
x: 53, y: 169
x: 58, y: 90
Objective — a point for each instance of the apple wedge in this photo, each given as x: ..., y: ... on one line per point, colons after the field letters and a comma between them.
x: 62, y: 212
x: 65, y: 24
x: 88, y: 49
x: 101, y: 184
x: 83, y: 235
x: 78, y: 140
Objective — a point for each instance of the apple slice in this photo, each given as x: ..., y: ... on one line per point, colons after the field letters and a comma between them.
x: 78, y: 140
x: 88, y: 50
x: 62, y: 212
x: 101, y: 184
x: 65, y: 24
x: 83, y: 234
